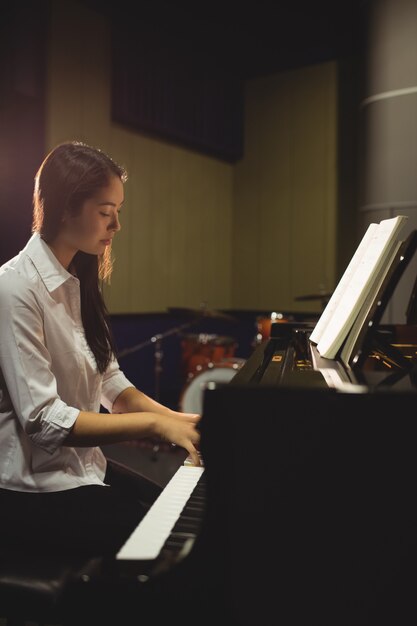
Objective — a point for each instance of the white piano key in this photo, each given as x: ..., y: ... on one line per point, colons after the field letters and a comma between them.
x: 151, y: 533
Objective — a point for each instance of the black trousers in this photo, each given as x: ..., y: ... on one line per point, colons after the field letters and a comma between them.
x: 88, y: 521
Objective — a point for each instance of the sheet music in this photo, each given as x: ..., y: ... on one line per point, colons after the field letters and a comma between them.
x: 342, y: 285
x: 377, y: 256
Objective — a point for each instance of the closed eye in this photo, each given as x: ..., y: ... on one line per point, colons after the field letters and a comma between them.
x: 104, y: 214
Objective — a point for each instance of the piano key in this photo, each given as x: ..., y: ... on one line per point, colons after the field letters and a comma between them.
x: 147, y: 540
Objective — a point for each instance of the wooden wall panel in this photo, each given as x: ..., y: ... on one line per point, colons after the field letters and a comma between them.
x: 314, y: 180
x: 285, y: 201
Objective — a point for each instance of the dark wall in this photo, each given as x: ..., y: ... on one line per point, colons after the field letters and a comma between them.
x: 23, y: 36
x: 172, y: 83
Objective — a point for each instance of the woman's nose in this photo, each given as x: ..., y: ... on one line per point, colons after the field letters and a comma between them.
x: 115, y: 224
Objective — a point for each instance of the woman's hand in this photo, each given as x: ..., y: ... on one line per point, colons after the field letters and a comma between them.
x: 180, y: 429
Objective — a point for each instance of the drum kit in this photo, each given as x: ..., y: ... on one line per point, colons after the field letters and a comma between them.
x: 208, y: 376
x: 206, y: 359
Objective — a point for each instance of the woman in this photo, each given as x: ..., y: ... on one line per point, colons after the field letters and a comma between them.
x: 57, y: 367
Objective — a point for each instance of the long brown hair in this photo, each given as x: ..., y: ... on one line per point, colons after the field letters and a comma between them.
x: 70, y: 174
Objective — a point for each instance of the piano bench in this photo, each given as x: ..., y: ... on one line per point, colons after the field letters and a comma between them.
x: 34, y: 590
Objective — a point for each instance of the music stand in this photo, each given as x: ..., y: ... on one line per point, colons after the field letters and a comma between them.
x: 370, y: 336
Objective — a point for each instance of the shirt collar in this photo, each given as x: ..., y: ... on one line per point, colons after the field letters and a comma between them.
x: 49, y: 268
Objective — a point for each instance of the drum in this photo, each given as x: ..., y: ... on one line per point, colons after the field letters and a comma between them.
x: 191, y: 400
x: 199, y: 350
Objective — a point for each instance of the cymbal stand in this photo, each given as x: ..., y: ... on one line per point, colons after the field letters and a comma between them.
x: 156, y: 341
x: 158, y: 354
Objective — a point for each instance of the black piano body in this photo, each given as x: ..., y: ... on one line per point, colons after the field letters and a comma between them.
x: 310, y: 515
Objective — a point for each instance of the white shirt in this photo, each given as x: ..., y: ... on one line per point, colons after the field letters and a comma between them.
x: 47, y: 376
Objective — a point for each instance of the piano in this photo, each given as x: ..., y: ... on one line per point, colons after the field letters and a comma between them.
x: 303, y: 512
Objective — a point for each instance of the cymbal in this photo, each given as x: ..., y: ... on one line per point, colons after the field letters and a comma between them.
x: 185, y: 312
